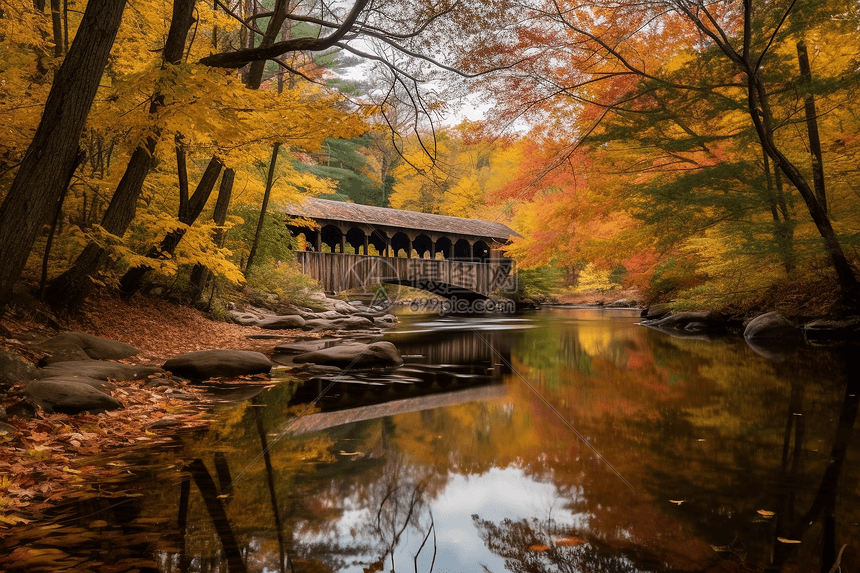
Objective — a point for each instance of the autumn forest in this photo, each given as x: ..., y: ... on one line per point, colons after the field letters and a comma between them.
x: 704, y: 153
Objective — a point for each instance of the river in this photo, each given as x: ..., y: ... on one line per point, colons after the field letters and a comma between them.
x: 568, y: 439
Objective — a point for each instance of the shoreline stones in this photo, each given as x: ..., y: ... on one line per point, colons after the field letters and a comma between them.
x: 218, y: 363
x: 772, y: 327
x: 355, y: 354
x: 69, y: 396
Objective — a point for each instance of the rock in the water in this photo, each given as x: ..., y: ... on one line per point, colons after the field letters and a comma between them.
x: 14, y: 369
x: 824, y: 329
x: 356, y: 354
x: 281, y: 322
x: 656, y: 312
x: 69, y: 397
x: 204, y: 364
x: 95, y: 347
x: 98, y: 369
x: 621, y: 303
x: 344, y: 323
x: 690, y: 321
x: 385, y: 321
x: 774, y: 327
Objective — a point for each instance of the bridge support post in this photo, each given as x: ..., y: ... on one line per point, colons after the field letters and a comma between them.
x: 365, y: 244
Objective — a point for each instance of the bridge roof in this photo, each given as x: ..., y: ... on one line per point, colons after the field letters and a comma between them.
x: 314, y: 208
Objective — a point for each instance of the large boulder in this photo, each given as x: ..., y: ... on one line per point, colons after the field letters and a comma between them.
x: 356, y: 355
x: 772, y: 327
x: 95, y: 347
x: 218, y: 363
x: 344, y: 323
x: 61, y: 351
x: 245, y: 318
x: 98, y: 369
x: 14, y: 369
x: 69, y: 396
x: 281, y: 322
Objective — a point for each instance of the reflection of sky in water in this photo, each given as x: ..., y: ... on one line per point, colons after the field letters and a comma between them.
x: 501, y: 493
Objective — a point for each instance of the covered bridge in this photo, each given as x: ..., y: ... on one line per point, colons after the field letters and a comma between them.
x: 391, y: 231
x: 452, y: 256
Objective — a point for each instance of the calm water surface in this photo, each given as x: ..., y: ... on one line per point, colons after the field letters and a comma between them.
x: 568, y: 440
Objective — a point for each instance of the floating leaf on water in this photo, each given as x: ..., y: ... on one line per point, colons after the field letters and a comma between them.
x: 569, y: 541
x: 720, y: 549
x: 784, y: 540
x: 677, y: 501
x: 765, y: 513
x: 538, y: 547
x: 343, y: 453
x: 99, y: 523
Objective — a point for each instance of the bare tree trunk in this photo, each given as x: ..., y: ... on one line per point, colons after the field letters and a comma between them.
x: 812, y: 127
x: 57, y: 27
x: 266, y: 195
x: 41, y: 178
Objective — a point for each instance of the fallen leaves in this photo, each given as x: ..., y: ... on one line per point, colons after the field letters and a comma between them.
x: 45, y: 462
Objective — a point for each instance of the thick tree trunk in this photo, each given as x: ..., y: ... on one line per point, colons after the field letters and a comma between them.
x: 70, y: 287
x: 189, y: 210
x: 41, y: 178
x: 266, y: 195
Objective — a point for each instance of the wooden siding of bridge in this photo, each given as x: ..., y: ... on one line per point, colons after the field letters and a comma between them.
x: 338, y: 272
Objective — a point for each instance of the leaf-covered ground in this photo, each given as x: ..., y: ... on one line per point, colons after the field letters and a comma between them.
x: 52, y: 458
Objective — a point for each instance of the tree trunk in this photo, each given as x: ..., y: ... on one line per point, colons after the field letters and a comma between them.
x: 254, y: 75
x: 812, y: 128
x: 70, y: 287
x: 57, y: 27
x: 41, y: 178
x: 189, y: 210
x: 269, y: 182
x: 201, y: 275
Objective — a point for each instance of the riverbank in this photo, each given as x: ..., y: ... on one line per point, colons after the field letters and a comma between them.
x: 46, y: 458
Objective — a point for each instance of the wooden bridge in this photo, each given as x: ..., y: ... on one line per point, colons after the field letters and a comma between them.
x: 350, y: 246
x: 337, y: 272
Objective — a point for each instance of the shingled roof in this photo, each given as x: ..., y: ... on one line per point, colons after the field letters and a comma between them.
x: 314, y: 208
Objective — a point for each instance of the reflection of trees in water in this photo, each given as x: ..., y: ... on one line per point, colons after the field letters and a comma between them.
x: 388, y: 494
x: 392, y: 506
x: 544, y: 546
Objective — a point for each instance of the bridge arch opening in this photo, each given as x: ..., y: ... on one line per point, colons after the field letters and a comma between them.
x: 379, y: 240
x: 333, y: 237
x: 481, y: 250
x: 462, y: 249
x: 401, y: 241
x: 357, y: 239
x: 423, y: 245
x: 445, y: 246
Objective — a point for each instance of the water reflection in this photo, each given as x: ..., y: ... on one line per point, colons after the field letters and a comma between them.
x: 735, y: 461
